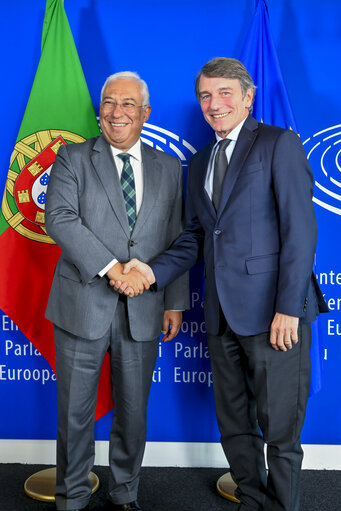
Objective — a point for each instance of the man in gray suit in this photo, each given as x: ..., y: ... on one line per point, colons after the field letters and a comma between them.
x: 109, y: 199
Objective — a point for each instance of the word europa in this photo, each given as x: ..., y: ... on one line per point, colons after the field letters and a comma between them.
x: 20, y: 374
x: 185, y: 376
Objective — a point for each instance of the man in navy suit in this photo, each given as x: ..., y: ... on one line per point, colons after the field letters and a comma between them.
x: 255, y: 226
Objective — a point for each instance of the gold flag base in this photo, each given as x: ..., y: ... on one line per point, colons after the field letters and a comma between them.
x: 226, y: 487
x: 42, y: 485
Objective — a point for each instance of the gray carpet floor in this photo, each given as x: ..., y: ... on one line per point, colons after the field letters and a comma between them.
x: 170, y: 489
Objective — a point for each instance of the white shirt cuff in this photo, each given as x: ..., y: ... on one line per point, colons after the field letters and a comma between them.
x: 108, y: 266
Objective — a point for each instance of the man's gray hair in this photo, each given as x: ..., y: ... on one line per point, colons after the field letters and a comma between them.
x: 222, y: 67
x: 129, y: 75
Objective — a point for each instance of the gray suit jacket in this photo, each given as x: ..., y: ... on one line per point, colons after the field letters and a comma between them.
x: 86, y: 217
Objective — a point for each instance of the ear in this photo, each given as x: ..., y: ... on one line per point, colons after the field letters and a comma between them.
x: 146, y: 113
x: 249, y: 97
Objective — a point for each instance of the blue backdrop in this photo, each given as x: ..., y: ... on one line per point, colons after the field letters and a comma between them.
x: 167, y: 43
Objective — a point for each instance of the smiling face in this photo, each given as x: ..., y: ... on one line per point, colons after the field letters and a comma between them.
x: 223, y: 104
x: 122, y: 128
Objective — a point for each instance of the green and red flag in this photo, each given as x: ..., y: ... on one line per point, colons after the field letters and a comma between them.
x: 59, y: 111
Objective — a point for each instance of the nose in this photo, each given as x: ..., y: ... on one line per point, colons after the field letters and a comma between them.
x: 117, y: 110
x: 215, y: 102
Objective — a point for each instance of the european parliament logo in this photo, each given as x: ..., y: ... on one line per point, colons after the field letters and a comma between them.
x: 168, y: 142
x: 324, y: 154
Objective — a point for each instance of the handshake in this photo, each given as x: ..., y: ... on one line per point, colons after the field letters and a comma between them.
x: 132, y: 278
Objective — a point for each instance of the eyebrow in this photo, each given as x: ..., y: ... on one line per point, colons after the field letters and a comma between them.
x: 124, y: 99
x: 220, y: 89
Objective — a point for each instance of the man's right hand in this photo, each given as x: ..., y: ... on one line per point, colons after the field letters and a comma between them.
x: 131, y: 284
x: 141, y: 267
x: 133, y: 267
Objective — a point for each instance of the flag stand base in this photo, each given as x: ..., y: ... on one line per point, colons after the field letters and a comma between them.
x: 226, y: 487
x: 42, y: 485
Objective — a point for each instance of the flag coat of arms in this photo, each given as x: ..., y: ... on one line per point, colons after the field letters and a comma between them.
x: 59, y: 111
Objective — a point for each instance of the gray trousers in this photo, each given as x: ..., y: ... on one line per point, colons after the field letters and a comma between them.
x: 78, y: 363
x: 261, y: 396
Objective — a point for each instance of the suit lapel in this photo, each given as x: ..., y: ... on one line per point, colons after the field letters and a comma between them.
x: 246, y: 138
x: 106, y: 170
x: 151, y: 184
x: 204, y: 161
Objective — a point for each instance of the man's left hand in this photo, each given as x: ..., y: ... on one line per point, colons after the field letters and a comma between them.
x: 283, y: 332
x: 171, y: 324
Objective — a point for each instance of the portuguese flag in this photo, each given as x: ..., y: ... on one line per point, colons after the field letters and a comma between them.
x: 59, y: 111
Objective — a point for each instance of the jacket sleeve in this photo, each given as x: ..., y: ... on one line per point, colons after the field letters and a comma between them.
x: 80, y: 246
x: 176, y: 295
x: 293, y: 188
x: 186, y: 250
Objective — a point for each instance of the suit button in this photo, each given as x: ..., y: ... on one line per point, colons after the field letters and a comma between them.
x: 131, y: 243
x: 305, y: 305
x: 217, y: 232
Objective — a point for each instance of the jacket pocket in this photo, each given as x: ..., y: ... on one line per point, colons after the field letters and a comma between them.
x: 69, y: 271
x: 262, y: 264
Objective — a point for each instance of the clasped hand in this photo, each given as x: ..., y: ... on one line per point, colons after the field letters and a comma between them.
x: 132, y: 278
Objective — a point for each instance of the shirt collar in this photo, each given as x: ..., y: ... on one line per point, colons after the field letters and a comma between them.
x: 233, y: 135
x: 134, y: 151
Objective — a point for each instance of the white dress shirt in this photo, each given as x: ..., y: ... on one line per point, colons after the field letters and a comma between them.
x: 137, y: 166
x: 233, y: 136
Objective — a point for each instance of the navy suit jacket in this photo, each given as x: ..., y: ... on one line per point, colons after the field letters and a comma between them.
x: 259, y: 246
